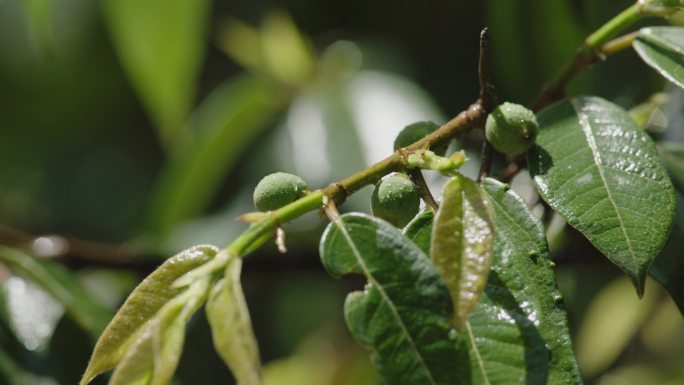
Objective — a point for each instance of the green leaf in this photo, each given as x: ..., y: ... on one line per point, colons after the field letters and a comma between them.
x: 277, y: 50
x: 663, y: 49
x: 522, y: 306
x: 672, y: 154
x: 161, y: 46
x: 39, y: 19
x: 462, y: 243
x: 231, y: 326
x: 403, y: 314
x: 142, y: 305
x: 668, y: 267
x: 419, y: 230
x: 61, y: 285
x: 153, y: 357
x: 224, y: 124
x: 600, y: 171
x: 286, y: 53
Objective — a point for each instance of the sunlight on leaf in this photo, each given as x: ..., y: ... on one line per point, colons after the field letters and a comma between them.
x: 521, y: 304
x: 404, y: 311
x: 462, y: 243
x: 62, y: 285
x: 231, y: 327
x: 663, y: 49
x: 153, y: 356
x: 599, y: 170
x: 33, y: 314
x: 142, y: 305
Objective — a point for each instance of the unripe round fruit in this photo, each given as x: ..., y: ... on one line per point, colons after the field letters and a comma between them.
x: 511, y: 128
x: 396, y: 200
x: 415, y: 132
x: 278, y: 189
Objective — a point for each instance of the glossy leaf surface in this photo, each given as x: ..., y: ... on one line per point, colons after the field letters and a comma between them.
x: 63, y: 286
x: 462, y: 243
x: 518, y: 331
x: 404, y: 312
x: 231, y: 327
x: 663, y: 49
x: 161, y: 46
x: 154, y: 355
x: 419, y: 230
x: 596, y: 168
x: 142, y: 305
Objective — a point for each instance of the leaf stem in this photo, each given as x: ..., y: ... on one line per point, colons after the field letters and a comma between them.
x: 485, y: 160
x: 261, y: 231
x: 417, y: 177
x: 618, y: 44
x: 614, y: 26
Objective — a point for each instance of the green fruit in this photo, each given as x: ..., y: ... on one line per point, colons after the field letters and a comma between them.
x: 278, y: 189
x: 396, y: 200
x: 511, y: 128
x: 415, y: 132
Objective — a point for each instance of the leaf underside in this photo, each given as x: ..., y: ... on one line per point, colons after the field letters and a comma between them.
x: 593, y: 165
x: 663, y: 49
x: 404, y: 312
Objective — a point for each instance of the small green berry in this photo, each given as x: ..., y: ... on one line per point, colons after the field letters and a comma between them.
x: 511, y: 128
x: 396, y: 200
x: 415, y: 132
x: 278, y: 189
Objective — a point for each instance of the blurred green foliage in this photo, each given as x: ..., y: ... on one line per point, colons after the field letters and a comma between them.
x: 147, y: 123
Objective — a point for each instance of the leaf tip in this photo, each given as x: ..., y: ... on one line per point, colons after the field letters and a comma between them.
x: 638, y: 279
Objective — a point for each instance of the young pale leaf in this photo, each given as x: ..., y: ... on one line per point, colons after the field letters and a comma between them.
x: 142, y: 305
x: 602, y: 172
x: 462, y: 243
x: 403, y: 314
x: 152, y: 358
x: 231, y: 327
x: 419, y: 230
x: 62, y: 286
x: 521, y: 304
x: 663, y: 49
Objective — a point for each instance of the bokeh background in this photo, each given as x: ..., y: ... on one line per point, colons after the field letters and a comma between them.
x: 132, y: 129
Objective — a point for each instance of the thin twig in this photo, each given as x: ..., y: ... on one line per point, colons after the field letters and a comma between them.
x: 489, y: 99
x: 69, y: 249
x: 488, y: 94
x: 417, y: 178
x: 485, y: 160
